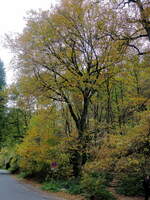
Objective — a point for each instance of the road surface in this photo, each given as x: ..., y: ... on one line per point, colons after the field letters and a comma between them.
x: 11, y: 189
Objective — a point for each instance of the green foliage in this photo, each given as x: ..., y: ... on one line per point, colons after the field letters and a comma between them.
x: 71, y: 186
x: 102, y: 194
x: 52, y: 186
x: 89, y: 187
x: 15, y: 127
x: 131, y: 185
x: 94, y: 186
x: 24, y: 174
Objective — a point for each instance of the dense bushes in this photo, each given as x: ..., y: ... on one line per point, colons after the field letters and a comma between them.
x: 41, y: 147
x: 131, y: 185
x: 71, y: 186
x: 92, y: 186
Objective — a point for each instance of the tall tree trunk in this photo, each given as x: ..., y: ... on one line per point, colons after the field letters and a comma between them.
x: 79, y: 156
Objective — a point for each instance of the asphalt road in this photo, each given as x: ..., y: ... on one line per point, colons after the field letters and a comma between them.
x: 11, y: 189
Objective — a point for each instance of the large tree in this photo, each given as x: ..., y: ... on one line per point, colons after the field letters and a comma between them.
x: 66, y: 54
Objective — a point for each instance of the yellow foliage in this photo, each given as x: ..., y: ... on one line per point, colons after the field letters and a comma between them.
x: 126, y: 152
x: 40, y: 143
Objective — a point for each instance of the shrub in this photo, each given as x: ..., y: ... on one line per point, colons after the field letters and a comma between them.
x: 52, y: 186
x: 71, y: 186
x: 130, y: 185
x: 42, y: 146
x: 24, y: 174
x: 94, y: 187
x: 105, y: 176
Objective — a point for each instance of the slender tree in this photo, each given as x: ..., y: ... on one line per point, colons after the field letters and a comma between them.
x: 2, y: 75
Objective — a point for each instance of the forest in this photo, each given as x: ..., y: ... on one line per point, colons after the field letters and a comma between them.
x: 77, y: 117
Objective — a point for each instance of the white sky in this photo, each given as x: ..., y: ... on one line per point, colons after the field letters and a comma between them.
x: 12, y: 13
